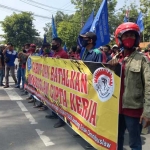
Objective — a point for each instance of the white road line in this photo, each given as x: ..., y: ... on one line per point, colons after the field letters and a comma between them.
x: 30, y: 117
x: 21, y: 105
x: 46, y: 140
x: 13, y: 94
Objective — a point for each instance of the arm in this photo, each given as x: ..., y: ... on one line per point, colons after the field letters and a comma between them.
x: 4, y: 51
x: 146, y: 83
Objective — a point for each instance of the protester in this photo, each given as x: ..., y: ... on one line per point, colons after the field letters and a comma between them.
x: 115, y: 50
x: 47, y: 52
x: 30, y: 50
x: 134, y: 104
x: 58, y: 53
x: 78, y: 51
x: 74, y: 53
x: 2, y: 65
x: 107, y: 51
x: 10, y: 56
x: 103, y: 54
x: 90, y: 53
x: 19, y: 77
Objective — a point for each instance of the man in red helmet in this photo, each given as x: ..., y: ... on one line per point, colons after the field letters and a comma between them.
x: 134, y: 106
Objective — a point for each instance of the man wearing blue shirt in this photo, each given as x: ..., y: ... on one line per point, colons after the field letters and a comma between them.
x: 91, y: 53
x: 10, y: 56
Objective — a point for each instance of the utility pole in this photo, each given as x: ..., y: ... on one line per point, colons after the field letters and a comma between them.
x: 82, y: 15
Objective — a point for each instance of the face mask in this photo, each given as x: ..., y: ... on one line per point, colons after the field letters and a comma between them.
x: 47, y: 50
x: 54, y: 47
x: 85, y: 43
x: 128, y: 43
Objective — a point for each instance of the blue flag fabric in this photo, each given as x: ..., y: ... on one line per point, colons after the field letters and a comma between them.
x: 65, y: 47
x: 54, y: 30
x: 44, y: 40
x: 100, y: 25
x: 125, y: 19
x: 140, y: 22
x: 85, y: 29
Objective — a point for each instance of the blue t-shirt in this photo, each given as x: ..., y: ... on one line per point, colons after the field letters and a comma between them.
x: 11, y: 55
x: 94, y: 55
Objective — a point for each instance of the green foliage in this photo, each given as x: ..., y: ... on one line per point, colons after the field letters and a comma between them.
x: 144, y: 7
x: 19, y: 29
x: 69, y: 26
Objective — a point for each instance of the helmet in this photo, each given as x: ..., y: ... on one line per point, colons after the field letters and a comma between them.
x: 128, y: 26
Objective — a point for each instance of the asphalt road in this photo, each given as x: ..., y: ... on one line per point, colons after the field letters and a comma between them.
x: 23, y: 127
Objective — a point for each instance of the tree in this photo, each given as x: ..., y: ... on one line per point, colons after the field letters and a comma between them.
x: 68, y: 33
x: 48, y: 32
x: 90, y: 5
x: 144, y: 7
x: 19, y: 29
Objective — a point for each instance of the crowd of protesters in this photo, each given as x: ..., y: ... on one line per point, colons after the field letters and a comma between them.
x: 135, y: 80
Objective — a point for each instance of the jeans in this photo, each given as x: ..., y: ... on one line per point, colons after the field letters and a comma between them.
x: 134, y: 129
x: 12, y: 70
x: 23, y: 72
x: 19, y: 75
x: 1, y: 75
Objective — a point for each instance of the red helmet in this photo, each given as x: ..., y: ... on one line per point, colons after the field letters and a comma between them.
x: 124, y: 27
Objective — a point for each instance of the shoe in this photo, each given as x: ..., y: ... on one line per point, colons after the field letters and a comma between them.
x: 28, y: 98
x: 76, y: 135
x: 59, y: 124
x: 31, y: 101
x: 37, y: 106
x: 50, y: 117
x: 42, y: 108
x: 2, y: 84
x: 17, y: 86
x: 89, y: 147
x: 6, y: 86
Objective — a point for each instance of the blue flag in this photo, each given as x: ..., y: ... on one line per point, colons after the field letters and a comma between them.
x: 140, y: 22
x: 65, y: 47
x: 85, y: 29
x: 54, y: 31
x: 100, y: 25
x: 44, y: 40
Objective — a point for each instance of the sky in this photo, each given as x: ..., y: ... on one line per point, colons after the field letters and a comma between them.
x: 55, y: 5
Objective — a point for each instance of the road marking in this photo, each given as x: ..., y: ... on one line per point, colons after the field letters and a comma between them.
x: 46, y: 140
x: 13, y: 94
x: 21, y: 105
x: 30, y: 117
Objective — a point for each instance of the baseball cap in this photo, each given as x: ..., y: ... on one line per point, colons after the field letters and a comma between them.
x: 115, y: 46
x: 90, y: 35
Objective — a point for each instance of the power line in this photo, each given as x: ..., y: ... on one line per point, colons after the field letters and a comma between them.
x: 13, y: 9
x: 36, y: 6
x: 49, y: 6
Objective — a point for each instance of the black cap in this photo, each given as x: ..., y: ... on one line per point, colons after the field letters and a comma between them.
x: 90, y: 35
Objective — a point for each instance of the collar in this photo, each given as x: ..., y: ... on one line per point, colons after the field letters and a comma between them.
x: 90, y: 51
